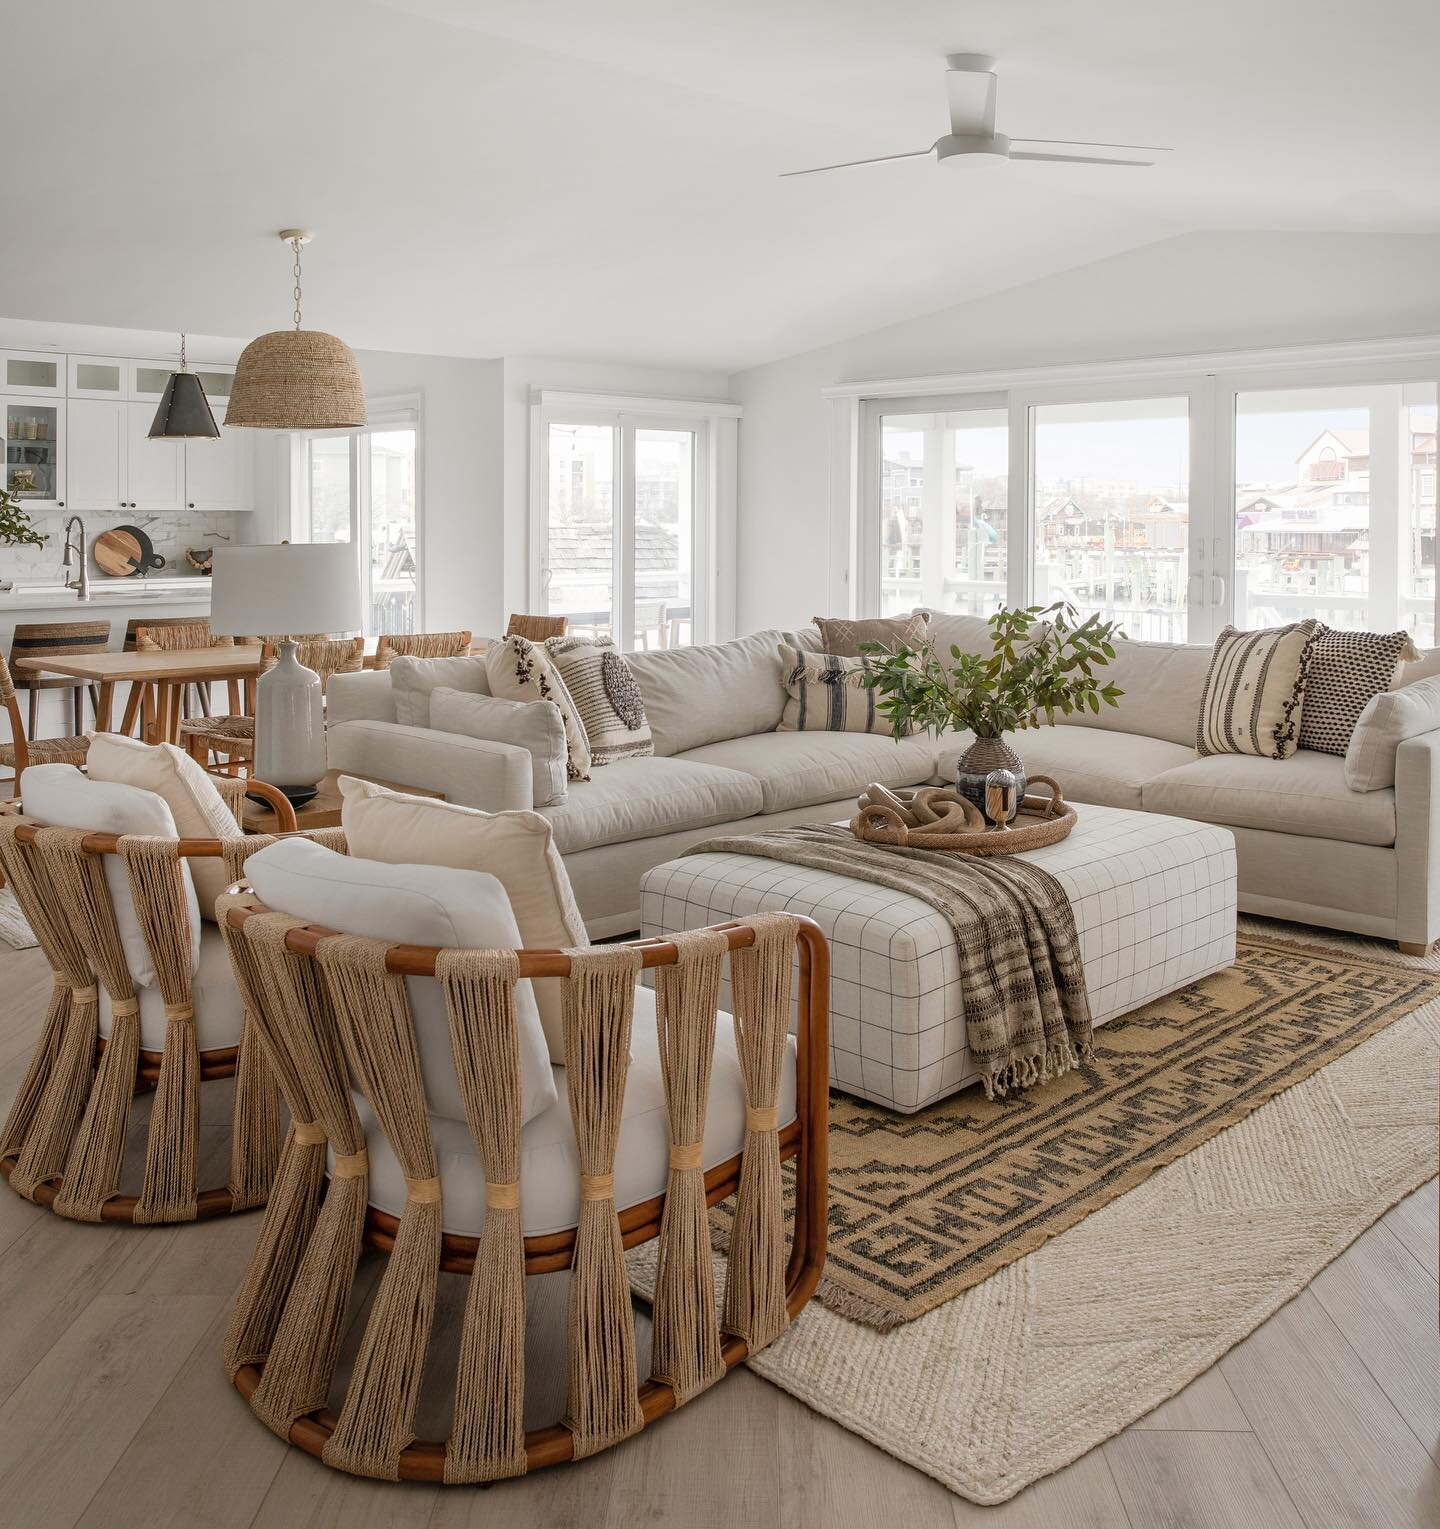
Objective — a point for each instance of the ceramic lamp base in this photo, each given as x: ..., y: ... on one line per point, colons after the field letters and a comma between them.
x: 290, y: 727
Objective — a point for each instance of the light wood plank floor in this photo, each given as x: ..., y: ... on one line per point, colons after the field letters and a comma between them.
x: 114, y: 1411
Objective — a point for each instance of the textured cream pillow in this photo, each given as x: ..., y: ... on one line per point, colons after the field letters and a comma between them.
x: 520, y: 670
x: 517, y: 848
x: 1387, y: 721
x: 842, y: 635
x: 1255, y: 691
x: 603, y: 688
x: 197, y: 807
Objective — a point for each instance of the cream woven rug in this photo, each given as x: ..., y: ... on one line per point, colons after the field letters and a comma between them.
x: 1066, y: 1346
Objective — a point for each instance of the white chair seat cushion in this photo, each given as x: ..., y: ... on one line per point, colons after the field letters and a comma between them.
x: 802, y: 769
x: 643, y: 798
x: 549, y: 1165
x: 1105, y: 769
x: 219, y: 1014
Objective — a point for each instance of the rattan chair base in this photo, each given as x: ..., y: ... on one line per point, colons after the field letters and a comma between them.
x: 120, y: 1209
x: 424, y: 1460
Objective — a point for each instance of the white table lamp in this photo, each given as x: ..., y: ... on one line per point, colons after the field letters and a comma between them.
x: 269, y: 591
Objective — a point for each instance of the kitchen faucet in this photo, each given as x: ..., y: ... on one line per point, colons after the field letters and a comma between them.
x: 80, y: 585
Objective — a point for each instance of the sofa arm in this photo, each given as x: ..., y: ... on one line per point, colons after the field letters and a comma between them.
x: 1417, y: 838
x: 496, y: 777
x: 366, y: 696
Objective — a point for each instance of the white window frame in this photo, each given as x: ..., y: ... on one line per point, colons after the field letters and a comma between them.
x: 401, y: 412
x: 714, y: 468
x: 1211, y: 383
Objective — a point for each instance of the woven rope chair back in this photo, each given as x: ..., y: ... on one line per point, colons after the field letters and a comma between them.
x: 420, y: 645
x: 537, y: 628
x: 181, y: 637
x: 36, y: 637
x: 63, y: 1142
x: 327, y: 656
x: 7, y: 684
x: 332, y: 1012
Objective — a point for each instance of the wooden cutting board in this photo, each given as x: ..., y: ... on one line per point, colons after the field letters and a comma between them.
x: 117, y: 553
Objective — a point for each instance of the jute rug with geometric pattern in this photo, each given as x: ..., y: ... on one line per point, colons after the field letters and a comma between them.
x: 924, y: 1206
x: 1068, y: 1344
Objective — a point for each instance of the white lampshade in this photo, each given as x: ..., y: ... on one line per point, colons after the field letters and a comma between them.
x: 292, y: 587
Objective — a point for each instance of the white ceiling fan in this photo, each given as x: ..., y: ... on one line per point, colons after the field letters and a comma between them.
x: 972, y: 140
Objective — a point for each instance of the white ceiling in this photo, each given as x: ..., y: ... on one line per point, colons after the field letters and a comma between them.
x: 599, y: 180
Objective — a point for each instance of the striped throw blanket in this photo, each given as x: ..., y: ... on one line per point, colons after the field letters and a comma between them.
x: 1027, y: 1017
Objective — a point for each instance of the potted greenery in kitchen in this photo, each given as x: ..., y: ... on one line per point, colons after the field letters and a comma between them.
x: 1042, y: 664
x: 16, y: 527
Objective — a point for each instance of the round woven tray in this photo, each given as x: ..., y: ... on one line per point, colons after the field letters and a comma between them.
x: 936, y: 817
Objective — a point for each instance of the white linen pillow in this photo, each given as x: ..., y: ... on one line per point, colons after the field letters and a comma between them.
x: 533, y: 725
x: 1386, y: 722
x: 520, y: 670
x: 197, y: 807
x: 61, y: 796
x: 518, y: 848
x: 413, y: 679
x: 412, y: 905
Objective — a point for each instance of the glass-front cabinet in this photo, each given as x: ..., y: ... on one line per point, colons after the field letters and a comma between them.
x: 34, y: 449
x: 32, y: 371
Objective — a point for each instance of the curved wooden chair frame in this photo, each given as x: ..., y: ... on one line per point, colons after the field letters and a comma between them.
x: 317, y: 1428
x: 69, y: 1119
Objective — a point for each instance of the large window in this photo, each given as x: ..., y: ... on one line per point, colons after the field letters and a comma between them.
x: 1112, y: 511
x: 362, y: 487
x: 943, y: 479
x: 621, y: 523
x: 1176, y: 501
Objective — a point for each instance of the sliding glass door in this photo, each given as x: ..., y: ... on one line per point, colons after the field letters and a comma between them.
x: 620, y: 501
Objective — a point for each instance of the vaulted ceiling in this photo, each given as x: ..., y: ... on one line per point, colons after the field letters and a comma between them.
x: 566, y: 177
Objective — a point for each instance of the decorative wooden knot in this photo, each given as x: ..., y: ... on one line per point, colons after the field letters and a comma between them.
x: 938, y: 817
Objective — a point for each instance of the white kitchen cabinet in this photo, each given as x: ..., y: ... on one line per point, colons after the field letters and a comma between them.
x: 35, y: 449
x: 95, y: 454
x: 154, y: 470
x: 97, y: 377
x: 32, y: 371
x: 220, y: 475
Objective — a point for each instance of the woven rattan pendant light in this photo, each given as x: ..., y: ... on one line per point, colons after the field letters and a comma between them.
x: 296, y: 379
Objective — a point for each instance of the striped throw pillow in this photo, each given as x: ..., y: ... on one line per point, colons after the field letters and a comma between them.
x: 1255, y: 691
x: 606, y: 695
x: 825, y: 693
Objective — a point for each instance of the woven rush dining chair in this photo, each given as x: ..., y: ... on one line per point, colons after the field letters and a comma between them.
x: 63, y: 1143
x: 333, y: 1014
x: 536, y: 628
x: 23, y: 750
x: 389, y: 647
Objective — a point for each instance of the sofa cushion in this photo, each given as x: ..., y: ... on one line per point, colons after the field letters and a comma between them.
x: 825, y: 693
x: 611, y: 708
x: 520, y: 670
x: 1386, y: 722
x: 695, y: 696
x: 535, y: 726
x: 1163, y: 683
x: 1255, y: 691
x: 843, y: 635
x: 1348, y: 669
x: 798, y: 769
x: 971, y: 634
x: 412, y: 680
x: 1305, y: 794
x: 639, y: 798
x: 549, y: 1164
x: 413, y: 905
x: 1105, y: 769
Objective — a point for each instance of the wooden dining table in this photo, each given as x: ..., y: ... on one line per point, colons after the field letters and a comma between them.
x: 164, y: 677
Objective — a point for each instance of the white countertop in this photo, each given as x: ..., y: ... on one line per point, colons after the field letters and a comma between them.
x: 108, y: 592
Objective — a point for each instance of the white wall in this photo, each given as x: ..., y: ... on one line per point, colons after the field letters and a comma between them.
x: 1196, y: 292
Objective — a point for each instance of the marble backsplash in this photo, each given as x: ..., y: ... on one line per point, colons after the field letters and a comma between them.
x: 171, y: 535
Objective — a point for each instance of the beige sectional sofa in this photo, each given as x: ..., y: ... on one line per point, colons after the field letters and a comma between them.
x: 1309, y: 847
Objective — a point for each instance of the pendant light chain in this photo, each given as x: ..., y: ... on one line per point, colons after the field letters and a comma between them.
x: 295, y: 271
x: 183, y: 366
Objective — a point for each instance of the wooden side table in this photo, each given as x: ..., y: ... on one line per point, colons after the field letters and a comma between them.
x: 323, y: 810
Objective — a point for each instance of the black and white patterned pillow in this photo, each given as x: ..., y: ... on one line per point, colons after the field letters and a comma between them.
x: 1347, y: 669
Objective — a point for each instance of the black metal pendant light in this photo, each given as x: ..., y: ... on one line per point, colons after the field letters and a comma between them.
x: 184, y: 412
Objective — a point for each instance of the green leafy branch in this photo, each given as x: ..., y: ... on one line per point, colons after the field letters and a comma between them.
x: 16, y: 527
x: 1042, y: 664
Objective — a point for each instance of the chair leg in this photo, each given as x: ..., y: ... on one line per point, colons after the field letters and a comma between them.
x: 133, y: 703
x: 34, y: 709
x: 77, y: 706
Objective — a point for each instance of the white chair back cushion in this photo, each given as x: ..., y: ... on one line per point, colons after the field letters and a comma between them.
x: 412, y: 905
x: 61, y: 796
x: 197, y: 807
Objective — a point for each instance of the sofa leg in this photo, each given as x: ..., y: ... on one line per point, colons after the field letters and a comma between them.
x: 1410, y: 948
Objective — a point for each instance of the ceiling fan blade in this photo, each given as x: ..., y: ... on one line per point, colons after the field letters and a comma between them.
x: 1082, y: 159
x: 850, y: 164
x: 1081, y: 143
x: 971, y: 88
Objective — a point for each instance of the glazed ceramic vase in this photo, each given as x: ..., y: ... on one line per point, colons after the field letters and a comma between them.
x: 983, y: 756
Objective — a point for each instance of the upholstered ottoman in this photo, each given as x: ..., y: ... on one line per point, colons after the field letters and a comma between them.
x: 1154, y: 901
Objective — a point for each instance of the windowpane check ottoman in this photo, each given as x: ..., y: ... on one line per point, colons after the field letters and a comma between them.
x: 1154, y: 901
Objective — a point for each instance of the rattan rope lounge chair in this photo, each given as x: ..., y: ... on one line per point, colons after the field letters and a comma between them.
x: 332, y: 1013
x: 63, y: 1144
